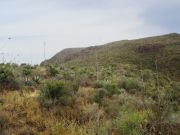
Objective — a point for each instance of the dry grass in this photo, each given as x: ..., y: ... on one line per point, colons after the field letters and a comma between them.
x: 22, y: 114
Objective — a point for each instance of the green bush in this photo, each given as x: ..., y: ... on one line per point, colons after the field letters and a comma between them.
x: 56, y: 92
x: 52, y: 70
x: 7, y: 78
x: 99, y: 95
x: 130, y: 84
x: 27, y: 70
x: 112, y: 88
x: 130, y: 122
x: 73, y: 86
x: 105, y: 89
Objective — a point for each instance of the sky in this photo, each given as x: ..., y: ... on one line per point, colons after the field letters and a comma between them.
x: 29, y: 26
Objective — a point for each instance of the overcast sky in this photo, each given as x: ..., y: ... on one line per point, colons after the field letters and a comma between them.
x: 76, y: 23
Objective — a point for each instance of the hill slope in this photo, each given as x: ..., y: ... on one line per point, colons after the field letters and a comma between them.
x: 63, y: 56
x: 162, y: 51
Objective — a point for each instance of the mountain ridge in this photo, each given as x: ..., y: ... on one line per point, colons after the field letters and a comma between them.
x: 145, y: 51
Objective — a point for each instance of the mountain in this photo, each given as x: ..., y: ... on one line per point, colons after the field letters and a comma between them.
x: 161, y: 52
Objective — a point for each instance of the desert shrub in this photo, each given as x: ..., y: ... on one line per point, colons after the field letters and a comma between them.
x: 68, y: 75
x: 28, y: 82
x: 52, y: 70
x: 105, y: 89
x: 99, y: 84
x: 27, y: 70
x: 85, y: 81
x: 111, y: 107
x: 130, y: 122
x: 7, y: 78
x: 147, y: 74
x: 56, y: 92
x: 130, y: 84
x: 74, y: 86
x: 99, y: 95
x: 112, y: 88
x: 36, y: 79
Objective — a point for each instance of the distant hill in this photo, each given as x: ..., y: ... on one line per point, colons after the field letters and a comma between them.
x: 163, y: 50
x: 64, y: 56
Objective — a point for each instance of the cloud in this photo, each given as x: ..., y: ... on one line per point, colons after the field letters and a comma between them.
x: 164, y: 14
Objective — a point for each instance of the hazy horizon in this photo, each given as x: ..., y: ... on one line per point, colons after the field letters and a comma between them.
x: 25, y: 26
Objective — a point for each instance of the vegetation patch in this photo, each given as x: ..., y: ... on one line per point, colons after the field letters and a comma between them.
x: 56, y: 92
x: 7, y: 78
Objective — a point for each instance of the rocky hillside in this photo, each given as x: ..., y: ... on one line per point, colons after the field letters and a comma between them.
x: 162, y: 52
